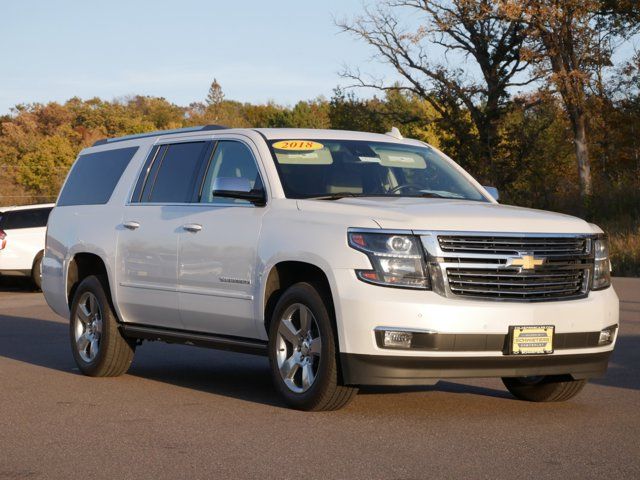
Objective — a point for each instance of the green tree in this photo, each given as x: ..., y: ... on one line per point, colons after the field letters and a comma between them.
x: 216, y: 95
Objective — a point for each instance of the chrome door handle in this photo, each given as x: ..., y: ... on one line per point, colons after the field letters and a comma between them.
x: 192, y: 227
x: 131, y: 225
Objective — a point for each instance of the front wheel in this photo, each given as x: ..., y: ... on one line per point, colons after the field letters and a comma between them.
x: 303, y: 353
x: 544, y: 388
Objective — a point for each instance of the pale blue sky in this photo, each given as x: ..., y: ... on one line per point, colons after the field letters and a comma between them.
x: 281, y: 50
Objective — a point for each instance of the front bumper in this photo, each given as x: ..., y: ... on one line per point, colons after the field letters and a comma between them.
x: 361, y: 308
x: 401, y: 371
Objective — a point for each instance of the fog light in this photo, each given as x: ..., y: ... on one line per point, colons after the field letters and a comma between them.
x: 607, y: 335
x: 397, y: 339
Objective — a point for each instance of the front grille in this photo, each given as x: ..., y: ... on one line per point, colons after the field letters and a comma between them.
x: 512, y: 284
x: 480, y: 265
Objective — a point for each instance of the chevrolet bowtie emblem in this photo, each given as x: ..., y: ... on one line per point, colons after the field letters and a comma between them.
x: 527, y: 262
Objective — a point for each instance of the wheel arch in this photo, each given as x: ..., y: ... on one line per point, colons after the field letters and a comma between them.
x: 286, y: 273
x: 80, y: 266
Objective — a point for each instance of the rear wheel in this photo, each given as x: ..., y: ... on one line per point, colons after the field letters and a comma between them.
x: 550, y: 388
x: 98, y: 347
x: 303, y: 352
x: 36, y: 271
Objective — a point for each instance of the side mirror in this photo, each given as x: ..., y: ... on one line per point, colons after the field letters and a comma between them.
x: 240, y: 188
x: 493, y: 191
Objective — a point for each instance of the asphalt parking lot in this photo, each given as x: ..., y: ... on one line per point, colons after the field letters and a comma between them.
x: 186, y: 412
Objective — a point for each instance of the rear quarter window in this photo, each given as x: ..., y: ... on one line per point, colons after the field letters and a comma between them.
x: 94, y: 176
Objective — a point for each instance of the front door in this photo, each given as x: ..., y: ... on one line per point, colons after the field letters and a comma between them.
x: 217, y: 250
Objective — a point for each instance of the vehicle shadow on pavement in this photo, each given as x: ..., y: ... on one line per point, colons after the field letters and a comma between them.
x: 248, y: 378
x: 441, y: 386
x: 234, y: 375
x: 16, y: 284
x: 623, y: 366
x: 36, y: 341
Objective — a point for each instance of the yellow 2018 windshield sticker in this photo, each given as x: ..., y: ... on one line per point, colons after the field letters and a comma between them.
x: 298, y: 145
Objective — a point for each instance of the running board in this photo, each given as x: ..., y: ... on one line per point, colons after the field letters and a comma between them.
x: 220, y: 342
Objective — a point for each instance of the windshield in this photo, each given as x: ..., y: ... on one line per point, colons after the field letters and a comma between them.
x: 339, y: 168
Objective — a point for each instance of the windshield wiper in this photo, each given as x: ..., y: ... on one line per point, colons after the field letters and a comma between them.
x: 436, y: 195
x: 337, y: 196
x: 425, y: 195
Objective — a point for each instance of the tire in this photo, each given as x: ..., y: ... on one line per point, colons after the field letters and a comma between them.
x: 98, y: 347
x: 303, y: 353
x: 36, y: 272
x: 544, y: 389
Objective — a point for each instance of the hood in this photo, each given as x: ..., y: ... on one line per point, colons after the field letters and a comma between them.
x: 445, y: 214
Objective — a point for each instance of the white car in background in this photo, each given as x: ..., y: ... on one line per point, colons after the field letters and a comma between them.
x: 22, y: 235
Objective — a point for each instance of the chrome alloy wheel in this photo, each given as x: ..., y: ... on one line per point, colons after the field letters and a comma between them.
x: 298, y: 345
x: 88, y: 327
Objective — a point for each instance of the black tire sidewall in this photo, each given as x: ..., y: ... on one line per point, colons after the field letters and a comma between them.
x: 36, y: 277
x: 109, y: 325
x: 309, y: 296
x: 549, y: 389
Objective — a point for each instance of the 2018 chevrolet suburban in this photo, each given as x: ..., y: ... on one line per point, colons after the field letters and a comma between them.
x: 347, y: 258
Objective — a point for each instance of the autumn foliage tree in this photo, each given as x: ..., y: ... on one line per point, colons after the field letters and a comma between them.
x: 471, y: 107
x: 569, y: 41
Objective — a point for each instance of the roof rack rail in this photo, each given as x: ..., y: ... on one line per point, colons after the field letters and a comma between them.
x: 159, y: 133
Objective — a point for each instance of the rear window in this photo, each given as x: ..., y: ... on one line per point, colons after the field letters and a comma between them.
x: 94, y: 176
x: 31, y: 218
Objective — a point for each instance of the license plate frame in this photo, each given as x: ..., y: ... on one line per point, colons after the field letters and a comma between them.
x: 535, y: 334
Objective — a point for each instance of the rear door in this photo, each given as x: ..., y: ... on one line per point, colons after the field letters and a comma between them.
x: 148, y: 239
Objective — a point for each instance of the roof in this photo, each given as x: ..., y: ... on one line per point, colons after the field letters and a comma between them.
x: 26, y: 207
x: 269, y: 134
x: 313, y: 133
x: 159, y: 133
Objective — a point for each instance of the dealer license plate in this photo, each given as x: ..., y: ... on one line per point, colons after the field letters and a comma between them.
x: 532, y: 340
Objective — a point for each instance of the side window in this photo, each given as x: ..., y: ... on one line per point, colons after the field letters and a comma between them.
x: 174, y: 172
x: 41, y: 217
x: 94, y: 176
x: 146, y: 173
x: 30, y: 218
x: 230, y: 160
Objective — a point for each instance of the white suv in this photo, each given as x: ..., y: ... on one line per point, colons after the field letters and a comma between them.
x: 347, y: 258
x: 22, y: 234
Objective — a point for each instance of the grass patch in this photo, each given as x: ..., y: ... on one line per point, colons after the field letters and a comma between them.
x: 625, y: 252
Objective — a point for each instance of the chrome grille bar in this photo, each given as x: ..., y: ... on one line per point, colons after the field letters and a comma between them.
x: 513, y: 245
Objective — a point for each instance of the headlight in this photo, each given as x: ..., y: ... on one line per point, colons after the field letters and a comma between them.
x: 602, y: 269
x: 397, y: 260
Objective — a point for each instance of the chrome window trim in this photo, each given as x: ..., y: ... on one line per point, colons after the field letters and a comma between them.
x: 160, y: 142
x: 187, y: 204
